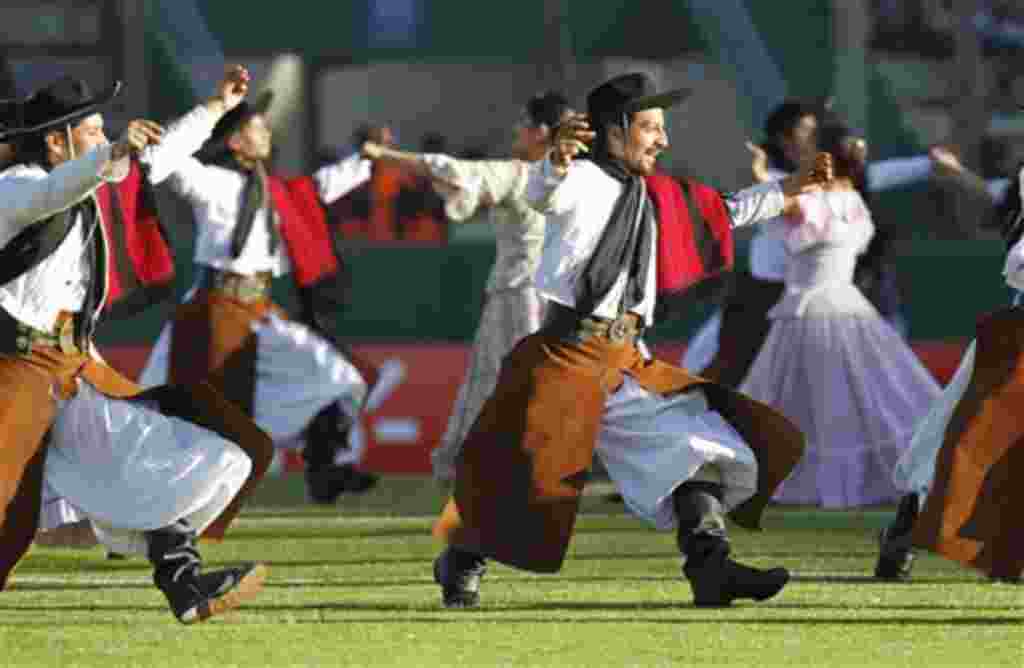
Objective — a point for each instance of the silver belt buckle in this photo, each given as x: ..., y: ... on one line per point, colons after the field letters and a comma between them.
x: 618, y: 329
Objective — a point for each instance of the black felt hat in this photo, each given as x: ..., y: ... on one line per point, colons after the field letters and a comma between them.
x: 231, y: 122
x: 62, y: 102
x: 628, y: 93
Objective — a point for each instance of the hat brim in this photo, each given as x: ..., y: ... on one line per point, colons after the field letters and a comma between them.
x: 77, y: 112
x: 660, y: 101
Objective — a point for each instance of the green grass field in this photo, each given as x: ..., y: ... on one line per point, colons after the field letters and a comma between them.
x: 352, y: 586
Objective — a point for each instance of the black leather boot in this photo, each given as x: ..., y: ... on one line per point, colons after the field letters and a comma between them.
x: 895, y: 554
x: 459, y: 573
x: 716, y: 579
x: 192, y: 595
x: 326, y: 436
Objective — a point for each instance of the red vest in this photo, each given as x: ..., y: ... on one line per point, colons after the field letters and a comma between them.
x: 690, y: 251
x: 140, y: 266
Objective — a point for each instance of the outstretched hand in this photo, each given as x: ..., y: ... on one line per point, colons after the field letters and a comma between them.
x: 944, y: 158
x: 371, y: 150
x: 138, y: 135
x: 233, y: 87
x: 570, y: 138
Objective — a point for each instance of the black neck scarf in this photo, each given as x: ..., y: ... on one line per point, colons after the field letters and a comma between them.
x: 625, y: 244
x: 255, y: 197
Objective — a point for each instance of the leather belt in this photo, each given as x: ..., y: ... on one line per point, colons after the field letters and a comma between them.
x: 18, y: 337
x: 243, y: 287
x: 563, y: 321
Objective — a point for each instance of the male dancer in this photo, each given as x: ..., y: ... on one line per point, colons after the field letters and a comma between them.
x: 513, y: 308
x: 252, y: 226
x: 963, y: 470
x: 151, y: 469
x: 681, y: 450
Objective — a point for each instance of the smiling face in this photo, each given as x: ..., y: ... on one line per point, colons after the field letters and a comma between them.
x: 253, y: 141
x: 86, y: 135
x: 639, y: 147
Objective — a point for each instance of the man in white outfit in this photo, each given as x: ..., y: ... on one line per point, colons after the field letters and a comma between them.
x: 149, y: 469
x: 683, y: 452
x: 253, y: 226
x: 962, y: 473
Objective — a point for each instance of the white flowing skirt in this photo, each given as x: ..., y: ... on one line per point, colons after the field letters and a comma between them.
x: 298, y: 374
x: 129, y: 468
x: 856, y: 390
x: 650, y: 444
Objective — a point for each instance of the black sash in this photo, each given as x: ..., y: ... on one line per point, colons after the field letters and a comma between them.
x: 624, y: 244
x: 255, y: 197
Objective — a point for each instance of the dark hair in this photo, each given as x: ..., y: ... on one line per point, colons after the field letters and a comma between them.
x: 367, y: 131
x: 32, y: 149
x: 599, y: 124
x: 546, y: 109
x: 832, y: 139
x: 781, y: 122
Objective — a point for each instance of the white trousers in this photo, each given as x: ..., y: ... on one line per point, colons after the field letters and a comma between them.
x: 915, y: 470
x: 298, y: 373
x: 129, y: 468
x: 650, y: 444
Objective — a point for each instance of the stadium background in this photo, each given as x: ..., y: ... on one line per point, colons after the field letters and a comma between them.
x: 462, y: 69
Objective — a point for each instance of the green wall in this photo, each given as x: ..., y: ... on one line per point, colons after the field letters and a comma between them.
x: 435, y: 294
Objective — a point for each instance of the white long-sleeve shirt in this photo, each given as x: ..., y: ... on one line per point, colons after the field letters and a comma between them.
x: 29, y: 194
x: 216, y: 196
x: 578, y: 206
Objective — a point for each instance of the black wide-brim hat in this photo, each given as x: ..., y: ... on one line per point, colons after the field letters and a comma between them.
x: 62, y: 102
x: 231, y: 122
x: 631, y: 92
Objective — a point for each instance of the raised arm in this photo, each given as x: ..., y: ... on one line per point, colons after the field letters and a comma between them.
x: 187, y: 135
x: 765, y: 201
x: 897, y: 172
x: 551, y: 186
x: 336, y: 180
x: 27, y: 198
x: 466, y: 185
x: 947, y: 163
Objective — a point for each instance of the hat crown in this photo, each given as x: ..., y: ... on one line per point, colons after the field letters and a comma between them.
x: 616, y: 95
x: 63, y: 94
